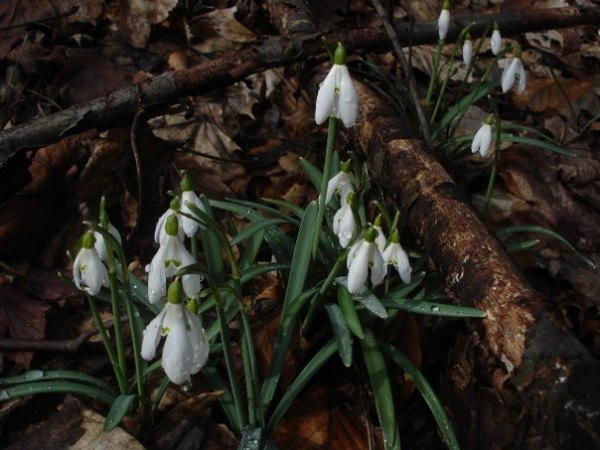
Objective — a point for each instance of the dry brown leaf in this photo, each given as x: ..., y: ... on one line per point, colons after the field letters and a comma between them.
x: 545, y: 96
x: 96, y: 438
x: 135, y: 18
x: 219, y: 31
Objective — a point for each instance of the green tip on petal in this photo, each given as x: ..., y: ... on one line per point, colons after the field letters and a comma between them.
x: 88, y: 240
x: 175, y: 292
x: 193, y: 306
x: 175, y: 203
x: 377, y: 221
x: 351, y: 198
x: 496, y: 27
x: 186, y: 182
x: 371, y: 234
x: 345, y: 166
x: 518, y: 52
x: 489, y: 119
x: 395, y: 237
x: 172, y: 225
x: 339, y: 56
x: 468, y: 37
x: 446, y: 5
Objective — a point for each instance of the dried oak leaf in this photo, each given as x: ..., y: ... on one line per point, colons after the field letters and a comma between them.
x: 21, y: 317
x: 545, y: 96
x: 135, y: 18
x: 219, y: 31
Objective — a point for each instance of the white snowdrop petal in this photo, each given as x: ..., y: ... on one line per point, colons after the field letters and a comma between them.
x: 359, y: 269
x: 380, y: 240
x: 326, y: 96
x: 95, y: 276
x: 378, y: 266
x: 190, y: 226
x: 443, y: 23
x: 152, y: 335
x: 352, y: 253
x: 347, y: 227
x: 199, y: 342
x: 508, y: 76
x: 77, y: 266
x: 496, y: 42
x: 522, y: 78
x: 348, y: 99
x: 402, y: 264
x: 332, y: 186
x: 178, y: 356
x: 159, y: 231
x: 157, y: 280
x: 467, y: 52
x: 486, y: 139
x: 476, y: 144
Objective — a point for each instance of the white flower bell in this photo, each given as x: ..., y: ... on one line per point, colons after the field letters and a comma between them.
x: 513, y: 71
x: 159, y: 231
x: 496, y: 40
x: 444, y: 20
x: 189, y: 197
x: 482, y: 141
x: 380, y: 240
x: 337, y: 96
x: 170, y: 257
x: 340, y: 183
x: 395, y: 255
x: 186, y: 347
x: 467, y: 50
x: 89, y: 273
x: 365, y: 256
x: 344, y: 222
x: 99, y: 243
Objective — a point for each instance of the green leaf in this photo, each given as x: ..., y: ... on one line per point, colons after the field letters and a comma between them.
x: 349, y: 311
x: 367, y: 299
x: 544, y: 145
x: 254, y: 228
x: 403, y: 290
x: 340, y: 332
x: 522, y: 245
x: 309, y: 371
x: 250, y: 254
x: 314, y: 174
x: 382, y: 391
x: 46, y: 375
x: 210, y: 244
x: 57, y: 387
x: 259, y: 269
x: 226, y: 400
x: 268, y: 209
x: 294, y: 209
x: 431, y: 308
x: 436, y: 407
x: 117, y: 411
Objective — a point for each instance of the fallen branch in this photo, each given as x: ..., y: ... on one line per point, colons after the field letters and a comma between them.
x: 555, y: 375
x: 122, y: 105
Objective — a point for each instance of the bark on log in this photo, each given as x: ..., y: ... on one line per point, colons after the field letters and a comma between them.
x: 124, y: 104
x: 558, y: 379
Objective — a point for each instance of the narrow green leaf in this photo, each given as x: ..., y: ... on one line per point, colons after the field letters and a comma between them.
x: 382, y: 391
x: 250, y: 253
x: 57, y: 387
x: 296, y: 210
x: 349, y: 311
x: 307, y: 374
x: 46, y: 375
x: 314, y: 174
x: 403, y: 290
x: 226, y: 400
x: 259, y: 269
x: 117, y: 411
x: 254, y: 228
x: 211, y: 246
x: 367, y: 299
x: 522, y: 245
x: 431, y: 308
x: 268, y: 209
x: 544, y: 145
x: 436, y: 407
x: 340, y: 332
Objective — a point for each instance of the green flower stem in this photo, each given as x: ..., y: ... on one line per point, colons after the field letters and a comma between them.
x: 494, y: 172
x: 110, y: 351
x: 434, y: 73
x: 194, y: 246
x: 324, y: 181
x: 255, y: 410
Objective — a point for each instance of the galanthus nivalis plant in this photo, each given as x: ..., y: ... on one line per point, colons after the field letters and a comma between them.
x: 186, y: 347
x: 364, y: 256
x: 444, y: 20
x: 89, y: 273
x: 189, y: 197
x: 380, y: 240
x: 395, y: 255
x: 482, y: 141
x: 174, y: 208
x: 337, y: 96
x: 496, y: 40
x: 344, y: 223
x: 514, y: 70
x: 340, y: 183
x: 100, y: 245
x: 467, y: 50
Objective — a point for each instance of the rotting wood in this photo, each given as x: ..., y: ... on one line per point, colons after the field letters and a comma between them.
x: 558, y: 379
x: 122, y: 105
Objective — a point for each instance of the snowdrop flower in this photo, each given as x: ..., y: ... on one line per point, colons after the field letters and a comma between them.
x: 467, y: 50
x: 189, y: 197
x: 337, y: 96
x: 496, y: 40
x: 159, y: 231
x: 395, y: 255
x: 365, y: 255
x: 88, y: 271
x: 444, y: 20
x: 340, y: 183
x: 514, y: 70
x: 170, y: 257
x: 482, y: 140
x: 99, y: 243
x: 380, y: 240
x: 186, y: 347
x: 344, y: 223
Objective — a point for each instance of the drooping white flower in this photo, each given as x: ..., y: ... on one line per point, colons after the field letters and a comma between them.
x: 381, y: 239
x: 365, y: 256
x: 482, y: 140
x: 467, y: 50
x: 100, y: 245
x: 337, y: 96
x: 170, y: 257
x: 159, y: 231
x: 186, y: 347
x: 395, y: 255
x: 444, y: 20
x: 340, y: 183
x: 89, y: 273
x: 344, y: 222
x: 514, y: 70
x: 189, y: 197
x: 496, y: 40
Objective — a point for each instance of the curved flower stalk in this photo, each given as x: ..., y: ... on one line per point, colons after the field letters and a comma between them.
x: 467, y: 50
x: 395, y: 255
x: 444, y: 20
x: 89, y: 273
x: 159, y: 231
x: 364, y: 256
x: 186, y: 347
x: 344, y: 223
x: 496, y: 40
x: 340, y: 184
x: 513, y: 71
x: 189, y: 197
x: 337, y: 96
x: 169, y: 258
x: 482, y: 141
